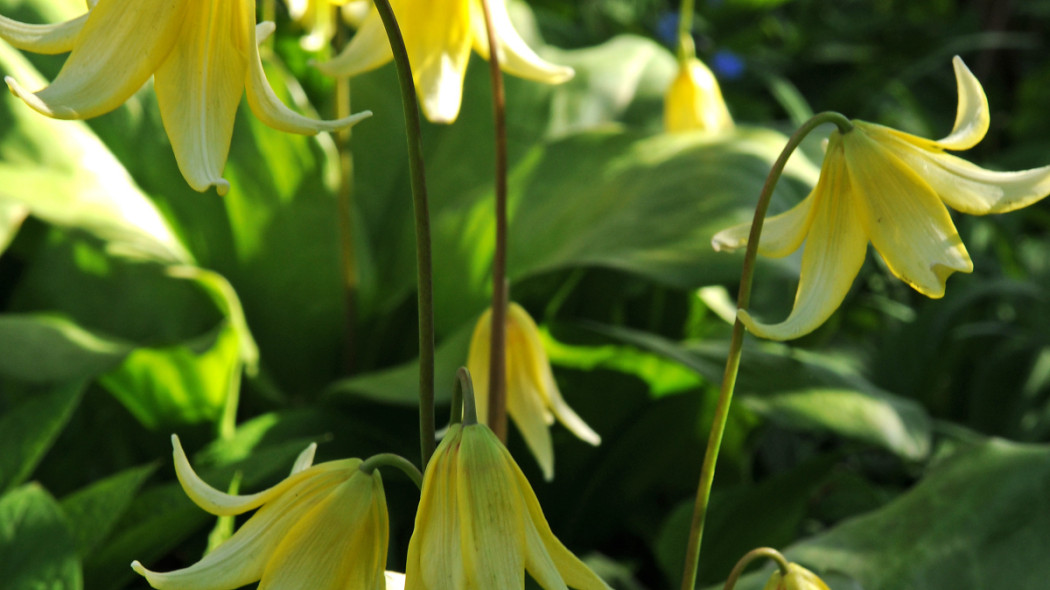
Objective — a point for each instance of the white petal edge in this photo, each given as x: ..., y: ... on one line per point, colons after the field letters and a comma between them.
x: 516, y: 57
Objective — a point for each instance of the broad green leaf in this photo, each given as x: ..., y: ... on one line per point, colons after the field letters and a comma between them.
x: 400, y: 384
x: 62, y: 173
x: 976, y: 520
x: 37, y: 548
x: 39, y: 348
x: 94, y: 510
x: 802, y: 390
x: 182, y: 384
x: 11, y: 217
x: 28, y: 429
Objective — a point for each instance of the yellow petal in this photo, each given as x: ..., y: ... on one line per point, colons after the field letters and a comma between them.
x: 516, y: 57
x: 521, y: 326
x: 297, y: 8
x: 270, y: 110
x: 199, y: 88
x: 305, y: 459
x: 222, y: 504
x: 117, y: 50
x: 438, y: 40
x: 834, y: 252
x: 781, y: 234
x: 46, y: 39
x: 243, y: 557
x: 797, y: 578
x: 525, y: 406
x: 540, y: 541
x: 478, y: 358
x: 967, y: 187
x: 368, y: 50
x: 340, y: 544
x: 491, y: 514
x: 694, y: 101
x: 434, y: 551
x: 905, y: 220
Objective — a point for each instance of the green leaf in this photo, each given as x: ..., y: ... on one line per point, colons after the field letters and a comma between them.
x: 977, y: 520
x: 28, y: 430
x: 802, y: 390
x: 61, y: 172
x: 94, y: 510
x: 38, y: 348
x: 182, y: 384
x: 38, y: 550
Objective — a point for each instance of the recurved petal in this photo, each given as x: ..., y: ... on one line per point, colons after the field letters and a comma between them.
x: 435, y: 555
x: 516, y: 57
x: 833, y: 254
x: 526, y: 407
x: 395, y: 581
x: 339, y: 545
x: 368, y: 50
x: 491, y: 513
x: 222, y: 504
x: 478, y: 364
x: 199, y: 88
x: 967, y: 187
x: 242, y: 558
x: 524, y: 337
x: 270, y: 110
x: 543, y: 551
x: 781, y: 234
x: 46, y: 39
x: 305, y: 459
x: 117, y: 50
x: 905, y: 220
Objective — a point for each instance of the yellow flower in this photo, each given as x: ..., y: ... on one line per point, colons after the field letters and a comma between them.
x: 533, y: 398
x: 694, y: 101
x: 318, y: 18
x: 323, y: 528
x: 438, y: 36
x: 798, y: 578
x: 202, y: 54
x: 479, y: 524
x: 890, y: 188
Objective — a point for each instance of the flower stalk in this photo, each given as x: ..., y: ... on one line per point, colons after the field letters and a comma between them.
x: 738, y: 569
x: 497, y: 410
x: 414, y: 135
x: 725, y: 396
x: 393, y: 460
x: 345, y: 204
x: 686, y: 48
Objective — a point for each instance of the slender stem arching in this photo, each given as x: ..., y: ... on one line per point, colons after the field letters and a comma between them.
x: 497, y: 412
x: 345, y: 200
x: 421, y: 208
x: 752, y: 555
x: 725, y: 396
x: 393, y: 460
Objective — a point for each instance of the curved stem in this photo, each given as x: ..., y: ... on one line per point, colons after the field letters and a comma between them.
x: 752, y: 555
x: 686, y: 48
x: 391, y: 460
x: 464, y: 388
x: 497, y: 417
x: 725, y: 396
x: 414, y: 133
x: 470, y: 410
x: 345, y: 204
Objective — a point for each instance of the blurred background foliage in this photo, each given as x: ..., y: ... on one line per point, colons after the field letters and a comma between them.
x: 902, y: 445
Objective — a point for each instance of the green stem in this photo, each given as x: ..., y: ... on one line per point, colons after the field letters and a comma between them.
x: 752, y: 555
x: 497, y: 417
x: 686, y: 48
x: 414, y: 133
x: 470, y: 410
x: 463, y: 388
x: 391, y: 460
x: 725, y: 397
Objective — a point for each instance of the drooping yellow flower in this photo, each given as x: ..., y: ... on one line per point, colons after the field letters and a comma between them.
x: 533, y: 398
x: 694, y: 101
x: 479, y: 524
x: 317, y: 17
x: 324, y: 528
x: 203, y: 55
x: 890, y: 188
x: 797, y: 578
x: 438, y: 36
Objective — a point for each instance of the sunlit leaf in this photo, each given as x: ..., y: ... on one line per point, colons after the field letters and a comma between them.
x: 39, y: 551
x: 28, y: 429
